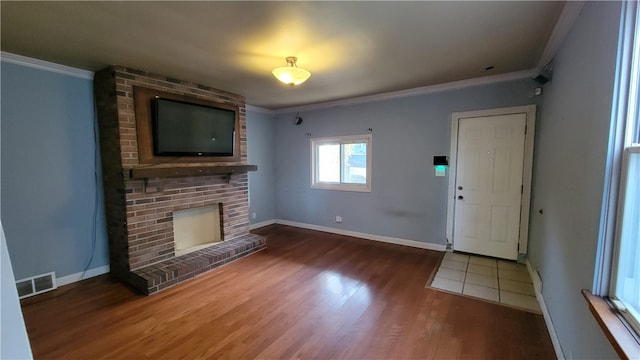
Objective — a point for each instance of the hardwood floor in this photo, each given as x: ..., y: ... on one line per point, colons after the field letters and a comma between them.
x: 309, y: 295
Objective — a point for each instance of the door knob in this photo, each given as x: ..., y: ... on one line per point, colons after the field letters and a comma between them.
x: 460, y: 197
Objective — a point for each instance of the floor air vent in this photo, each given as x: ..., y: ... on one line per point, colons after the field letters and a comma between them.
x: 36, y: 284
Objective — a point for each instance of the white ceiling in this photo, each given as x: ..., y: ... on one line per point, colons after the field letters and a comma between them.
x: 352, y: 49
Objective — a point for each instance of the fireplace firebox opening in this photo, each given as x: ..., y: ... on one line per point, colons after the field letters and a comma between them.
x: 196, y: 228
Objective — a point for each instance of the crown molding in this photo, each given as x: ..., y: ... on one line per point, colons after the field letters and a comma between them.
x: 259, y: 109
x: 455, y: 85
x: 567, y: 17
x: 45, y: 65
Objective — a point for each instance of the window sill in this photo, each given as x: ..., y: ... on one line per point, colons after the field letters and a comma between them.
x: 341, y: 187
x: 616, y: 330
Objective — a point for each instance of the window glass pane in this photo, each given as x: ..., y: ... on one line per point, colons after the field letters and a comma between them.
x: 628, y: 274
x: 341, y: 163
x: 354, y: 163
x: 328, y: 166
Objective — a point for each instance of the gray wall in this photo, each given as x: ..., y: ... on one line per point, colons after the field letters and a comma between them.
x: 407, y: 201
x: 260, y: 151
x: 569, y: 168
x: 52, y: 207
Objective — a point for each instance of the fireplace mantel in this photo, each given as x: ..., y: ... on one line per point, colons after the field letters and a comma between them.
x: 159, y: 171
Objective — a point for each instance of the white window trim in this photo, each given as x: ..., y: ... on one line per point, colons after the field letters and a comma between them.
x: 621, y: 110
x: 624, y: 114
x: 339, y: 185
x: 633, y: 321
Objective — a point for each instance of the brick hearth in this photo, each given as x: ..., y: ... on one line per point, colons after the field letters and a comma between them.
x: 164, y: 274
x: 140, y: 211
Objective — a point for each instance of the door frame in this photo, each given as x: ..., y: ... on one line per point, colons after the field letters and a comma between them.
x: 530, y: 112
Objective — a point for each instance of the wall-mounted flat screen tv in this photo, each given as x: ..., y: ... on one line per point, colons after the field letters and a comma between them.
x: 186, y: 129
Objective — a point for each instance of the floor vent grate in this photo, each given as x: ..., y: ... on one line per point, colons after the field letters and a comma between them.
x: 36, y: 285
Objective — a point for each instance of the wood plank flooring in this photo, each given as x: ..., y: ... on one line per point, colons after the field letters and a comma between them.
x: 310, y: 295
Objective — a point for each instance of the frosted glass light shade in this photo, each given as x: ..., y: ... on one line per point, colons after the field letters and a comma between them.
x: 291, y: 75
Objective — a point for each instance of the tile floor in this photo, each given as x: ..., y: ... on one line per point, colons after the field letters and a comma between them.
x: 487, y: 278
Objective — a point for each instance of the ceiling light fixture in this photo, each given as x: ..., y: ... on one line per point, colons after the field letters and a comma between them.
x: 291, y: 74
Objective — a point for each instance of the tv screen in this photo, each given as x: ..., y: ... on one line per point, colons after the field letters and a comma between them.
x: 185, y: 129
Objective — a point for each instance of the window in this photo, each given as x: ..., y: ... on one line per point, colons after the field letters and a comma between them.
x: 626, y: 272
x: 618, y: 266
x: 341, y: 163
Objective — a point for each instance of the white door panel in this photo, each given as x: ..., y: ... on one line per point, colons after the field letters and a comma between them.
x: 489, y: 174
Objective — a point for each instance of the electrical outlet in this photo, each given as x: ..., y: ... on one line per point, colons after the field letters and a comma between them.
x: 338, y: 219
x: 253, y: 215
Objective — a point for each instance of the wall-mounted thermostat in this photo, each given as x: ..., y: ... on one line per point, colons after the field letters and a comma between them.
x: 440, y: 163
x: 440, y: 160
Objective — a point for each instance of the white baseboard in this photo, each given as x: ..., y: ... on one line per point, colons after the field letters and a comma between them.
x: 386, y: 239
x: 262, y: 224
x: 537, y: 285
x: 65, y: 280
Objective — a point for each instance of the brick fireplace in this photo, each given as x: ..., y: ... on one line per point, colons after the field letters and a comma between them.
x: 141, y: 197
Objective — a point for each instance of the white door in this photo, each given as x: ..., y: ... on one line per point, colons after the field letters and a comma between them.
x: 488, y: 185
